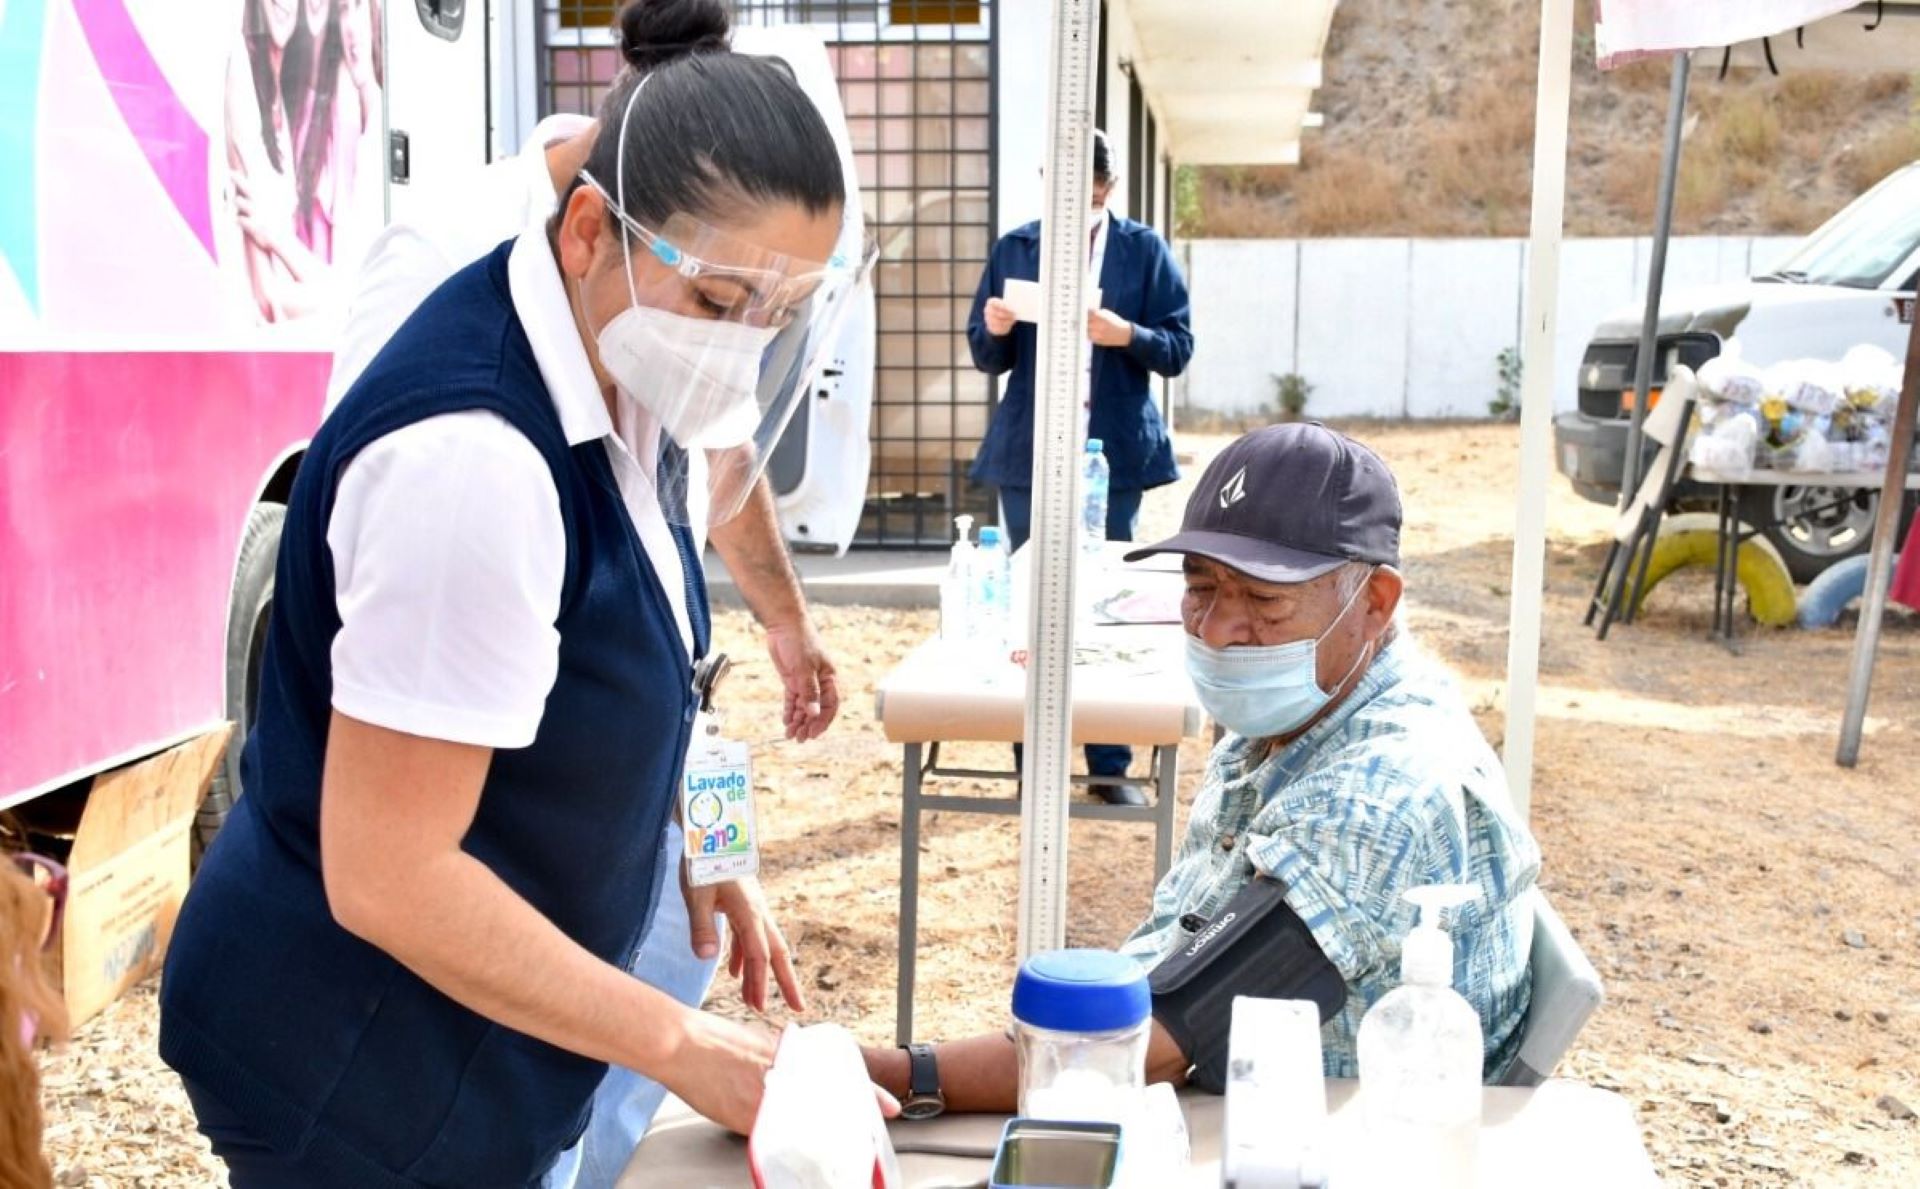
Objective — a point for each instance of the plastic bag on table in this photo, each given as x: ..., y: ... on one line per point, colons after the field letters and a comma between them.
x: 1812, y: 453
x: 1870, y: 378
x: 819, y: 1126
x: 1848, y: 457
x: 1867, y: 359
x: 1875, y: 447
x: 1723, y: 454
x: 1729, y: 378
x: 1808, y: 385
x: 1727, y: 440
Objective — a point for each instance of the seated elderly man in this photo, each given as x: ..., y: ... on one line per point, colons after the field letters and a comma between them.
x: 1350, y: 772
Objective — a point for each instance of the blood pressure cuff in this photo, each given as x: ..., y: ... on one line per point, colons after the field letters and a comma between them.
x: 1257, y: 946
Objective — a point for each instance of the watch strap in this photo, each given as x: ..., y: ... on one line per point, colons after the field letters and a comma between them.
x: 923, y: 1072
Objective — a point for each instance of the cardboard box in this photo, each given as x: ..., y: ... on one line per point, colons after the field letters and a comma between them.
x: 127, y: 872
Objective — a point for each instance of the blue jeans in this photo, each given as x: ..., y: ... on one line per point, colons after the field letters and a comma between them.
x: 625, y: 1103
x: 1123, y: 519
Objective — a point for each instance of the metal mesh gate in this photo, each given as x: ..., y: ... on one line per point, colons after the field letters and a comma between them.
x: 916, y: 80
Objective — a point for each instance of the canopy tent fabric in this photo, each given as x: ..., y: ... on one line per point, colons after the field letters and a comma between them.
x: 1877, y: 35
x: 1626, y: 30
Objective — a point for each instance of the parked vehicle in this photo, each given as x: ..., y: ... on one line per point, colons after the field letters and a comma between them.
x: 1850, y: 282
x: 173, y: 266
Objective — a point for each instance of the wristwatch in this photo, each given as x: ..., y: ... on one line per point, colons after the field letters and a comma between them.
x: 924, y: 1099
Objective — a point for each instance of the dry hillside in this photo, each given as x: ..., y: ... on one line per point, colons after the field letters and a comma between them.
x: 1429, y: 131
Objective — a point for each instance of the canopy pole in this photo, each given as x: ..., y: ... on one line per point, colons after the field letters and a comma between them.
x: 1886, y: 525
x: 1656, y: 274
x: 1536, y: 393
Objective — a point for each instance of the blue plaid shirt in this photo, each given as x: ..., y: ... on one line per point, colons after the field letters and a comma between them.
x: 1394, y: 789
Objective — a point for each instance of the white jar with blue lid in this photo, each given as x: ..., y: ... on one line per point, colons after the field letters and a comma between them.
x: 1082, y: 1019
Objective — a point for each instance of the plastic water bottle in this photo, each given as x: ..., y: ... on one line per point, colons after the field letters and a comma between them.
x: 1093, y: 504
x: 956, y: 589
x: 991, y: 613
x: 1420, y: 1052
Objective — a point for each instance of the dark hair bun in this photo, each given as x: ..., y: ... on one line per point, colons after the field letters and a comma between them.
x: 655, y: 32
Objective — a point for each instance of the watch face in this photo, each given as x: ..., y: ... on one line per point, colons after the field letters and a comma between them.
x: 914, y: 1109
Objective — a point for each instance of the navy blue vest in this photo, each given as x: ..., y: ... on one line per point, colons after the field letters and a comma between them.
x: 325, y: 1045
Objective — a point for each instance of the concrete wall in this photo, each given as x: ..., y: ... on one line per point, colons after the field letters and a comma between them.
x: 1411, y: 328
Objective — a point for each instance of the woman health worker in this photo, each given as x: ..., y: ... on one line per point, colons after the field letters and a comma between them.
x: 400, y: 962
x: 462, y: 219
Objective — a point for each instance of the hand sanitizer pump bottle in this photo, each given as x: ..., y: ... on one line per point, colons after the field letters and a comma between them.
x: 1420, y: 1051
x: 956, y: 588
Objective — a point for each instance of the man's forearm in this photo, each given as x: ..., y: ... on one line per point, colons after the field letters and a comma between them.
x: 982, y: 1073
x: 757, y: 558
x: 979, y: 1074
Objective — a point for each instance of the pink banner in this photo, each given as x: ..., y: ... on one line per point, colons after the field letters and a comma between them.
x: 174, y: 144
x: 120, y: 514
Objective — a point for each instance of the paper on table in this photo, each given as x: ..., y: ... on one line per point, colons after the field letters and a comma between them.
x: 1130, y: 605
x: 1024, y: 297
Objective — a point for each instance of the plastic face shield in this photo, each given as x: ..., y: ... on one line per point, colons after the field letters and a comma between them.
x: 790, y: 370
x: 722, y: 347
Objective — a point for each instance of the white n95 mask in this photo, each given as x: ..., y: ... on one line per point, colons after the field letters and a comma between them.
x: 697, y: 376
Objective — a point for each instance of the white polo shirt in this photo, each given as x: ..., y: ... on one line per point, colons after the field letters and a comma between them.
x: 446, y: 535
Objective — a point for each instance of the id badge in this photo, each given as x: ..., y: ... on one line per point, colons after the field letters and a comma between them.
x: 716, y: 808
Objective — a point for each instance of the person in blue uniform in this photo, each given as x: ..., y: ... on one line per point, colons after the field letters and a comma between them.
x: 402, y: 961
x: 1142, y: 329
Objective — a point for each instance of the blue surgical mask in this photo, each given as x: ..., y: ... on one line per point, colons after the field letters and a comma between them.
x: 1265, y: 691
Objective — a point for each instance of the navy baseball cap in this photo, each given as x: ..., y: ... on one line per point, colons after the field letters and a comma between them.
x: 1289, y: 503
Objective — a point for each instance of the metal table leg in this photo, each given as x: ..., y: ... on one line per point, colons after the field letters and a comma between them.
x: 1732, y: 584
x: 1726, y: 549
x: 1167, y: 792
x: 909, y: 893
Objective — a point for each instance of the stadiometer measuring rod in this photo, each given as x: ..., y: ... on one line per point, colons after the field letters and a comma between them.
x: 1060, y: 391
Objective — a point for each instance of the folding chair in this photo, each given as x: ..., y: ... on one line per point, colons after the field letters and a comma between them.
x: 1566, y: 993
x: 1638, y: 526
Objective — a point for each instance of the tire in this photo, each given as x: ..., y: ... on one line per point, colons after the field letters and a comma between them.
x: 1830, y: 594
x: 248, y: 610
x: 1810, y: 541
x: 1693, y: 540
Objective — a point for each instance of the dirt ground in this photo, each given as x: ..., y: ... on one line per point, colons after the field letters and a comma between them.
x: 1749, y: 903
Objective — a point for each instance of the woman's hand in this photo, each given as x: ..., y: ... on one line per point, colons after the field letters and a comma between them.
x: 721, y: 1069
x: 758, y: 947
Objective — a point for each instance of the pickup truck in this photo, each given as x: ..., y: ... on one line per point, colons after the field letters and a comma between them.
x: 1850, y: 282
